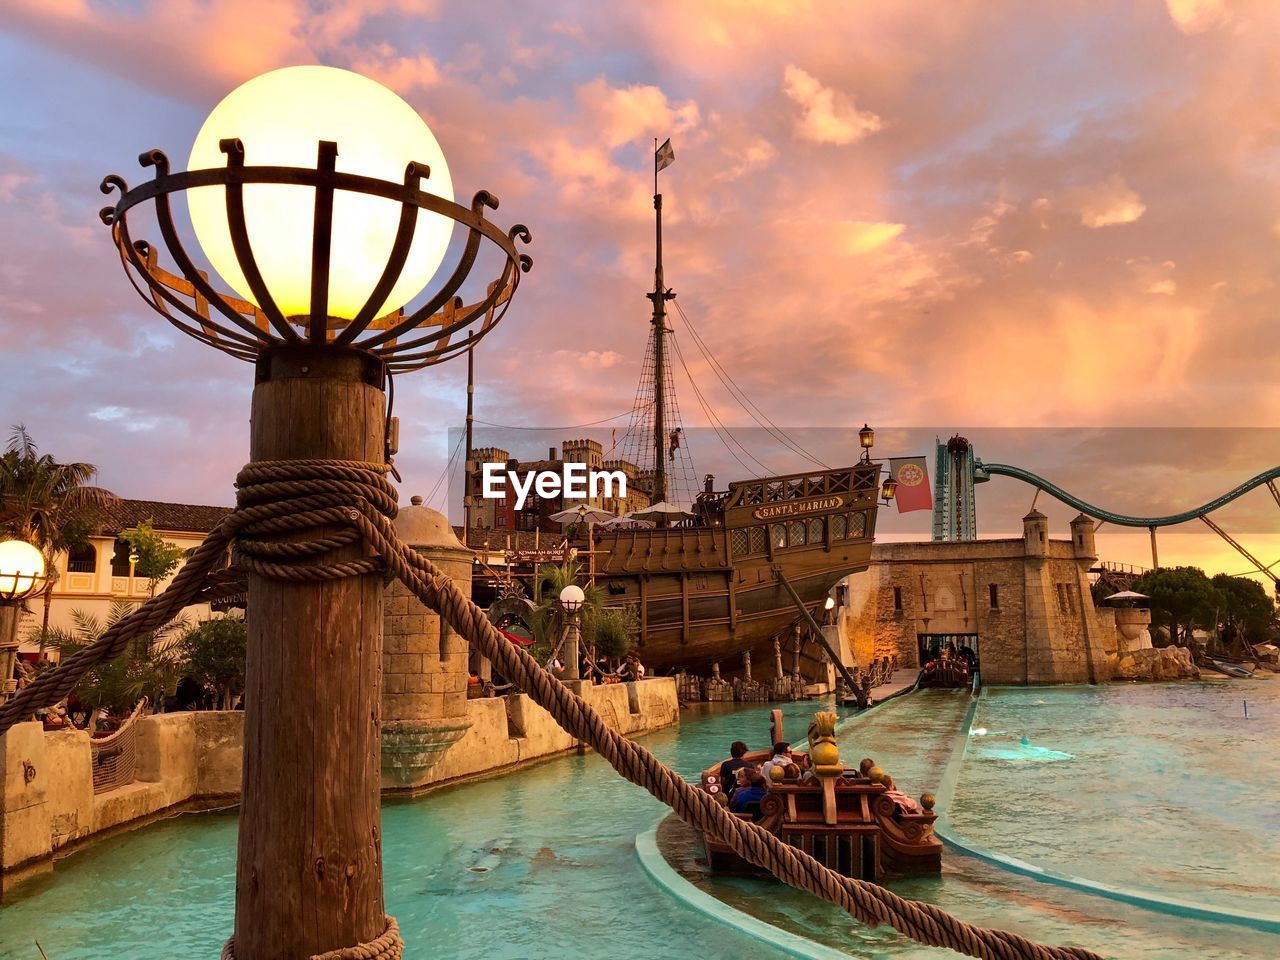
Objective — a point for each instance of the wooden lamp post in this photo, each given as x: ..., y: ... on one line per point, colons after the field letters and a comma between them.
x: 325, y: 202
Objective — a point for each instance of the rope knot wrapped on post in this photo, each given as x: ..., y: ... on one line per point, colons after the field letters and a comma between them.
x: 292, y: 513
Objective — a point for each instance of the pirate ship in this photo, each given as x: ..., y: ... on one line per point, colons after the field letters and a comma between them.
x: 743, y: 567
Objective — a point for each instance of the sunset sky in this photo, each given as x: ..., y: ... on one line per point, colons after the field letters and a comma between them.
x: 952, y: 216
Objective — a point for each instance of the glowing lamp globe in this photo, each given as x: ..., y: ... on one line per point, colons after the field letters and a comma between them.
x: 572, y: 597
x: 280, y: 117
x: 21, y: 570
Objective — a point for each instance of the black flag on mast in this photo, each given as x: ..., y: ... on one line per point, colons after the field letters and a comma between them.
x: 664, y: 156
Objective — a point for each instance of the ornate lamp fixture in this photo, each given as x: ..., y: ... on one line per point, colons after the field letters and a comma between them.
x: 22, y: 572
x: 322, y: 246
x: 867, y: 439
x: 888, y: 490
x: 325, y: 203
x: 22, y: 575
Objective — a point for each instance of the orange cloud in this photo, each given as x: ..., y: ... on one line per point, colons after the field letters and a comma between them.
x: 1196, y: 16
x: 826, y: 115
x: 1110, y: 203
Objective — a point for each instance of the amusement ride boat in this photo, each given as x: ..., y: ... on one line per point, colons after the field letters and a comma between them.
x: 852, y: 820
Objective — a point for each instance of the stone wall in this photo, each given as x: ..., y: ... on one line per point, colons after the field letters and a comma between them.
x: 193, y: 760
x: 424, y: 663
x: 1039, y: 626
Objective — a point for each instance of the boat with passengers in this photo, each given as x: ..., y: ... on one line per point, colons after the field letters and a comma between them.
x: 853, y: 820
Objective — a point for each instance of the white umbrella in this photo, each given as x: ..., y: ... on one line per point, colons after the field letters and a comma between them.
x: 626, y: 522
x: 1126, y: 595
x: 582, y: 514
x: 662, y: 510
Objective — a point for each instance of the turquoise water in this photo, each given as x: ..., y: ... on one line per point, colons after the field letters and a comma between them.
x: 1158, y: 785
x: 1173, y: 789
x: 1165, y: 786
x: 537, y: 864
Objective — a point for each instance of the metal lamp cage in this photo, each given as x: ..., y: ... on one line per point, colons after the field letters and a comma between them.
x: 16, y: 587
x: 443, y: 327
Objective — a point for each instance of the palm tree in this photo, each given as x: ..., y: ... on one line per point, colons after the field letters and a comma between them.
x: 149, y: 666
x: 606, y: 630
x: 45, y: 502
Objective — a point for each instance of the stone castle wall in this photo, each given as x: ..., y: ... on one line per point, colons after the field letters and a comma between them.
x: 1042, y: 627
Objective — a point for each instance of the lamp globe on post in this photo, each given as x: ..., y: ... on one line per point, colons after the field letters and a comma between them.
x: 325, y: 204
x: 22, y: 575
x: 571, y: 599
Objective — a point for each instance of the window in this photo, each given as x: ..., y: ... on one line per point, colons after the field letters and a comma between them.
x: 838, y: 526
x: 796, y: 533
x: 778, y: 535
x: 740, y: 543
x: 857, y: 525
x: 500, y: 520
x: 82, y: 559
x: 759, y: 539
x: 120, y: 559
x: 897, y: 599
x: 816, y: 532
x: 993, y: 594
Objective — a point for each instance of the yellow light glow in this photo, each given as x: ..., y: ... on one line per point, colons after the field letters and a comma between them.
x: 281, y: 117
x: 21, y: 569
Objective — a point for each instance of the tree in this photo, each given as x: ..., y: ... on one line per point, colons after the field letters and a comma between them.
x: 1247, y: 612
x: 215, y: 652
x: 1182, y: 598
x: 613, y: 630
x: 148, y: 667
x: 45, y: 502
x: 157, y: 557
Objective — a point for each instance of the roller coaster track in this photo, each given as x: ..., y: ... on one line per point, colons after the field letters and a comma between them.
x: 984, y: 471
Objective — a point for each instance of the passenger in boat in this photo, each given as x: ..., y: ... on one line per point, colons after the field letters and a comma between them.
x: 747, y: 799
x: 781, y: 757
x: 729, y: 769
x: 906, y: 803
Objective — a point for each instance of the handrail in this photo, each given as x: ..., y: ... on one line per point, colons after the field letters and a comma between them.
x: 984, y: 471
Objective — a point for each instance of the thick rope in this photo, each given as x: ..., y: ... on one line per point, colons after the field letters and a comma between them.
x: 331, y: 498
x: 387, y: 946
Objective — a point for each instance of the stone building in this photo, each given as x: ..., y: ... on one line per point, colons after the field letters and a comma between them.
x: 92, y: 576
x: 499, y: 514
x: 424, y: 663
x: 1022, y: 604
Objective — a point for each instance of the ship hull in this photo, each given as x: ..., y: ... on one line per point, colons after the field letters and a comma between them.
x: 707, y: 594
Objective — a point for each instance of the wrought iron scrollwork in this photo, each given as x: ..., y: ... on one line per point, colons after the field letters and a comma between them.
x: 443, y: 327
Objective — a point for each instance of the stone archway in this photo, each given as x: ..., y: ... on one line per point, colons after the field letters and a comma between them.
x: 512, y: 606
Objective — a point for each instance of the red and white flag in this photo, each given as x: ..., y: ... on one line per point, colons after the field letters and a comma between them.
x: 912, y: 474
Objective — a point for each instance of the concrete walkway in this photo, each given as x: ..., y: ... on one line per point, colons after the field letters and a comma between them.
x: 900, y: 681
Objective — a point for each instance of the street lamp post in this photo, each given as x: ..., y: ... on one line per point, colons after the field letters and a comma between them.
x: 571, y: 599
x: 323, y: 199
x: 22, y: 575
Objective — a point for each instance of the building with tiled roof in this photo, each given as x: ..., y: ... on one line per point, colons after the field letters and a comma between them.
x: 93, y: 576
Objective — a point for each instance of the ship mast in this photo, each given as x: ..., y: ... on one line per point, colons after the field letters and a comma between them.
x: 660, y: 296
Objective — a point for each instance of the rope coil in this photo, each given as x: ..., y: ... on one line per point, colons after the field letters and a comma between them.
x: 325, y: 505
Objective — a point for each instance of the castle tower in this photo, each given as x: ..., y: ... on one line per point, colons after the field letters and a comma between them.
x: 424, y: 663
x: 1083, y: 541
x: 1035, y: 533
